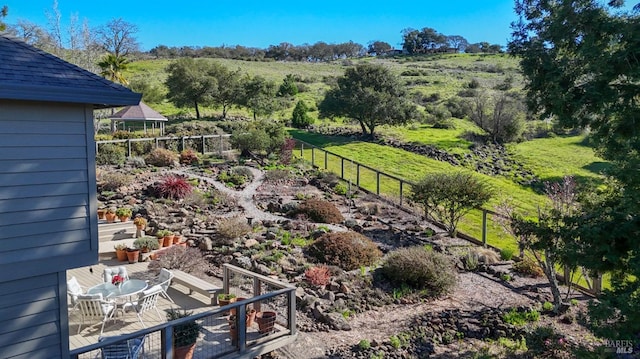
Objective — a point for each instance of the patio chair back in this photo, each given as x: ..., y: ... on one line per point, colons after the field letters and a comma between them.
x: 129, y: 349
x: 164, y: 280
x: 93, y: 308
x: 108, y: 273
x: 148, y: 300
x: 74, y: 290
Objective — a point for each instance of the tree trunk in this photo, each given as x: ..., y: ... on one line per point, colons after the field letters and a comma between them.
x: 364, y: 128
x: 197, y: 110
x: 550, y: 273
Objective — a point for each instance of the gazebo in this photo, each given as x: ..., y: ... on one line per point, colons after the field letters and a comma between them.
x: 139, y: 113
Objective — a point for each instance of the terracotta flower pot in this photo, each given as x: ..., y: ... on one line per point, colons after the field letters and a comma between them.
x: 176, y: 239
x: 101, y: 213
x: 121, y: 254
x: 251, y: 317
x: 133, y: 255
x: 185, y: 352
x: 168, y: 241
x: 123, y: 218
x: 110, y: 217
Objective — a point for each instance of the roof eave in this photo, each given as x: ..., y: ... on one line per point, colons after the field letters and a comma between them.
x: 99, y: 99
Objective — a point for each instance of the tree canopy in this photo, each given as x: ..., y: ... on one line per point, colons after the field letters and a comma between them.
x: 580, y: 60
x: 370, y: 94
x: 190, y: 83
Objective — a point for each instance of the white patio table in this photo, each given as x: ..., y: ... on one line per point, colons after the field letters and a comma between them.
x: 122, y: 293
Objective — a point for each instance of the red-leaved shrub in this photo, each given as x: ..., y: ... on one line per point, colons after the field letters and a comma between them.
x: 320, y: 275
x: 174, y: 187
x: 189, y: 157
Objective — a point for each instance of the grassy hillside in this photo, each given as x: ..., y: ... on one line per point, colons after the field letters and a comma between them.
x: 443, y: 75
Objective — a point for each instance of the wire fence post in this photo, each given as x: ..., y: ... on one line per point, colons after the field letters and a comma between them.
x: 378, y: 183
x: 313, y: 156
x: 326, y: 160
x: 484, y: 228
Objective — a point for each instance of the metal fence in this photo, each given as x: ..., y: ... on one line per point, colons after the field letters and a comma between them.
x: 482, y: 223
x: 223, y: 335
x: 203, y: 143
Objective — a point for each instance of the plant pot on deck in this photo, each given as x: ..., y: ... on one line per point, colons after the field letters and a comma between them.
x: 133, y: 255
x: 185, y: 352
x: 266, y: 321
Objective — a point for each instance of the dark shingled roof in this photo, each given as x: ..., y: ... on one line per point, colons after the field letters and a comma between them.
x: 139, y: 112
x: 27, y: 73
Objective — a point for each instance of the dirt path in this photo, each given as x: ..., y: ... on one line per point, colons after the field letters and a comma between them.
x: 472, y: 291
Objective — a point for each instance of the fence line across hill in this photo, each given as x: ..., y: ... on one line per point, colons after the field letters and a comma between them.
x: 395, y: 190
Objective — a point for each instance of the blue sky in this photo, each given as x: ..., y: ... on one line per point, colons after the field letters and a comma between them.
x: 263, y: 23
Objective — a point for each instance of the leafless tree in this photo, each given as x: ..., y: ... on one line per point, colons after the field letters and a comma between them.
x: 118, y: 37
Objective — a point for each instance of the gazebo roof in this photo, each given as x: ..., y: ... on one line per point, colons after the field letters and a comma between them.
x: 139, y: 112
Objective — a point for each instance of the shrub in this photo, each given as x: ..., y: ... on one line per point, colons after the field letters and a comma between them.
x: 473, y: 84
x: 320, y: 275
x: 520, y: 318
x: 161, y: 158
x: 229, y: 229
x: 506, y: 254
x: 340, y: 189
x: 420, y: 269
x: 319, y: 211
x: 242, y: 171
x: 300, y: 118
x: 137, y: 161
x: 110, y: 154
x: 277, y: 175
x: 111, y: 181
x: 547, y: 306
x: 529, y: 267
x: 364, y: 344
x: 347, y: 250
x: 446, y: 197
x: 174, y: 187
x: 186, y: 259
x: 189, y: 157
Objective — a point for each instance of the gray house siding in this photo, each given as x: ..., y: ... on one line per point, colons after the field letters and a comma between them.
x: 47, y: 221
x: 31, y: 328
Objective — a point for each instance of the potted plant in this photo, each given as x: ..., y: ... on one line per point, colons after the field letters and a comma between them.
x: 266, y: 321
x: 184, y: 335
x: 145, y: 244
x: 168, y: 238
x: 121, y: 252
x: 110, y: 214
x: 101, y: 212
x: 140, y: 223
x: 123, y: 213
x: 133, y: 255
x: 226, y: 299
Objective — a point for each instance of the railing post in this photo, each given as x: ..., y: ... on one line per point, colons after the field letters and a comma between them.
x: 313, y: 156
x: 401, y: 182
x: 221, y: 146
x: 225, y: 279
x: 377, y: 183
x: 166, y: 344
x: 597, y: 284
x: 182, y: 144
x: 241, y: 326
x: 257, y: 289
x: 326, y: 160
x: 342, y: 167
x: 291, y: 306
x: 301, y: 149
x: 484, y: 228
x: 204, y: 145
x: 157, y: 142
x: 358, y: 174
x: 128, y: 147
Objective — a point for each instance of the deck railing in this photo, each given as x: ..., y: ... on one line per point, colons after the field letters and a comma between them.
x: 215, y: 340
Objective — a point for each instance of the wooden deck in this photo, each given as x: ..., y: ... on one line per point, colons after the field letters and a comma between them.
x: 128, y: 322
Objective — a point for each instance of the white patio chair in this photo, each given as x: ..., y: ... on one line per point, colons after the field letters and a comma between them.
x: 129, y: 349
x: 164, y: 280
x: 147, y: 300
x: 108, y: 273
x: 74, y: 289
x: 94, y: 308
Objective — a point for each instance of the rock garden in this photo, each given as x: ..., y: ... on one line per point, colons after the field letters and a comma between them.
x: 373, y: 281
